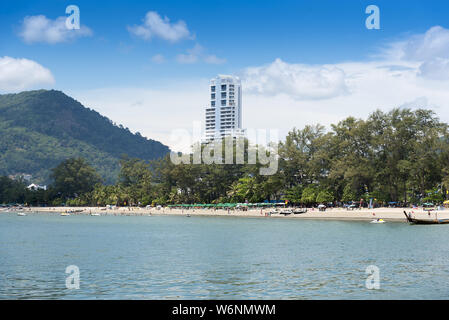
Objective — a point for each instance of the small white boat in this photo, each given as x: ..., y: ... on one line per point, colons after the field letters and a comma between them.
x: 378, y: 221
x: 21, y: 214
x: 95, y: 214
x: 65, y: 214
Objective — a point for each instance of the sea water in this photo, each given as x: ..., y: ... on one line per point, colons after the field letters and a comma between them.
x: 163, y: 257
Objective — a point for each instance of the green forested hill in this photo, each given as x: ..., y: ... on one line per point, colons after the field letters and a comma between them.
x: 39, y: 129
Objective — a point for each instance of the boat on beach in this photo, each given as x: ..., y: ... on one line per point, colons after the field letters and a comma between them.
x: 299, y: 211
x: 286, y: 212
x: 75, y: 211
x: 425, y: 221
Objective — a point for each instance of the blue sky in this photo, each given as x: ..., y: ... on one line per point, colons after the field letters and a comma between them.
x: 242, y: 32
x: 229, y: 37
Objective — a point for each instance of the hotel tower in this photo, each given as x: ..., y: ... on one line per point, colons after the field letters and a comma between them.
x: 224, y: 113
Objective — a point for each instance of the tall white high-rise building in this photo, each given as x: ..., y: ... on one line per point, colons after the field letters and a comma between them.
x: 224, y: 113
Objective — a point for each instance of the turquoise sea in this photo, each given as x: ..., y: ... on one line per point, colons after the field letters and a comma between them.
x: 160, y: 257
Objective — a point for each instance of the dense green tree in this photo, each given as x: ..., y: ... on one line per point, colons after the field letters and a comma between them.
x: 294, y: 194
x: 309, y: 195
x: 324, y: 196
x: 349, y: 194
x: 74, y: 177
x: 12, y: 191
x: 434, y: 196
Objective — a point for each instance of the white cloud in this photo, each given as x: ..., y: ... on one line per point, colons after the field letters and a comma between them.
x: 432, y: 44
x: 192, y: 55
x: 197, y: 54
x: 154, y: 26
x: 437, y: 69
x: 418, y: 103
x: 213, y: 59
x: 300, y: 81
x: 41, y: 29
x: 21, y: 74
x: 370, y: 86
x: 430, y: 49
x: 158, y: 58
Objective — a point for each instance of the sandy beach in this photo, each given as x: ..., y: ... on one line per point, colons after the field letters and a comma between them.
x: 388, y: 214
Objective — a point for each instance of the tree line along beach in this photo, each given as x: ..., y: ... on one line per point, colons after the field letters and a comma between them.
x: 397, y: 157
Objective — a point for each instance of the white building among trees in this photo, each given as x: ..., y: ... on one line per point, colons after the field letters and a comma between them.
x: 224, y: 112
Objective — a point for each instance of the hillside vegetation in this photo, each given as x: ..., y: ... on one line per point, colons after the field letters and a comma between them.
x: 39, y: 129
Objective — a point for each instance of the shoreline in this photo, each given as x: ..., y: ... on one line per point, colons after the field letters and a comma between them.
x: 334, y: 214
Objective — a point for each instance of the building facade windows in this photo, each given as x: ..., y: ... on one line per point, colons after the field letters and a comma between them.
x: 225, y: 120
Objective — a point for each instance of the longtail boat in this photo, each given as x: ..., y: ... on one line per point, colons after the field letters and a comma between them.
x: 286, y: 212
x: 299, y: 211
x: 425, y: 221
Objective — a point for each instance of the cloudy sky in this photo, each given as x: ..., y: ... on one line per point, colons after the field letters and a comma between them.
x: 146, y: 64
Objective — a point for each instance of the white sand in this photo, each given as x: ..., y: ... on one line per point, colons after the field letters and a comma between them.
x: 388, y: 214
